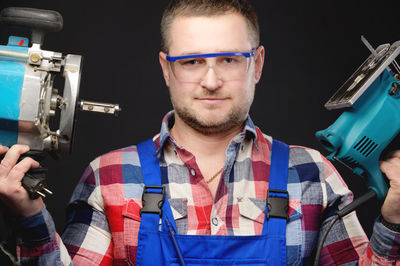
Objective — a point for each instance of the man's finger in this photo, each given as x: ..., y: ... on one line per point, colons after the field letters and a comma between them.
x: 19, y: 170
x: 11, y: 158
x: 395, y: 161
x: 3, y: 149
x: 391, y: 168
x: 393, y: 154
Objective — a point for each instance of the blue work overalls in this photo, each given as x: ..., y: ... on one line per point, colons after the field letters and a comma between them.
x: 165, y: 247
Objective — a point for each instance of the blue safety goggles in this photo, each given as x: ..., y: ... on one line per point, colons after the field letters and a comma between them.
x: 245, y: 54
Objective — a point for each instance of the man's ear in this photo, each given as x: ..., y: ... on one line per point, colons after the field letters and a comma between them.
x: 162, y: 57
x: 259, y: 62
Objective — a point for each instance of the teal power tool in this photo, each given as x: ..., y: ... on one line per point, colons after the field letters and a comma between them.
x: 32, y: 110
x: 371, y: 119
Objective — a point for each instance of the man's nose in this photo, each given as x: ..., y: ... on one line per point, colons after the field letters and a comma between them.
x: 211, y: 80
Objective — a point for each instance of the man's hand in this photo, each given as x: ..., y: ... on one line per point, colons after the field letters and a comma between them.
x: 12, y: 193
x: 391, y: 207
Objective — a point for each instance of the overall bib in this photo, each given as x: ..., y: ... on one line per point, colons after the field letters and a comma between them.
x: 165, y: 247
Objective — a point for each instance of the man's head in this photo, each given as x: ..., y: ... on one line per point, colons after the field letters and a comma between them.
x: 208, y: 8
x: 219, y: 100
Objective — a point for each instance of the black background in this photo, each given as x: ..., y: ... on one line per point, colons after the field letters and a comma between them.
x: 312, y: 47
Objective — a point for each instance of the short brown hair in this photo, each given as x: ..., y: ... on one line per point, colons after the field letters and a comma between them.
x: 208, y: 8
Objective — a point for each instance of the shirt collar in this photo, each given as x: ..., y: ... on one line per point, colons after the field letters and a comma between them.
x: 249, y: 130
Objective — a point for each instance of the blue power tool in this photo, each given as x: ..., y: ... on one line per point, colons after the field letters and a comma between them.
x: 32, y: 111
x: 371, y: 119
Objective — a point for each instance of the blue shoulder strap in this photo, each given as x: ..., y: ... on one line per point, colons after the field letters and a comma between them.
x: 148, y: 161
x: 277, y: 193
x: 279, y: 165
x: 152, y: 177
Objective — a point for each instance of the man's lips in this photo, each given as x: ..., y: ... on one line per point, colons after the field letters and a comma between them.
x: 211, y: 100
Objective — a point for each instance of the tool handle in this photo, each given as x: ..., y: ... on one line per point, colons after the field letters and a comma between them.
x: 39, y: 21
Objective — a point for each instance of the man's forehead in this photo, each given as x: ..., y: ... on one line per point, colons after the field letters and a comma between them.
x: 201, y: 34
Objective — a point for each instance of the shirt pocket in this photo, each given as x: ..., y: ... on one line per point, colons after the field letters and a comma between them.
x: 251, y: 211
x: 251, y: 219
x: 131, y: 225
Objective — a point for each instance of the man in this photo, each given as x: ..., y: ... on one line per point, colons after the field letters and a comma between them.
x: 215, y: 167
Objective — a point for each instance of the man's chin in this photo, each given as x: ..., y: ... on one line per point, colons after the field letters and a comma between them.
x: 212, y: 124
x: 212, y: 129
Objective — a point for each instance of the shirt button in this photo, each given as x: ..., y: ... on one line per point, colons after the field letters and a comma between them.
x: 242, y: 147
x: 214, y: 221
x: 193, y: 172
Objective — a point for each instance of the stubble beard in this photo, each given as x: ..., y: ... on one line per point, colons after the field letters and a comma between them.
x: 234, y: 119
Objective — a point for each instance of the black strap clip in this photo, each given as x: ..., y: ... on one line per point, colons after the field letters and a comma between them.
x: 152, y: 201
x: 278, y: 206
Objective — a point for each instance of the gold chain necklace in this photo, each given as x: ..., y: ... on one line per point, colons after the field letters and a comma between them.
x: 214, y: 176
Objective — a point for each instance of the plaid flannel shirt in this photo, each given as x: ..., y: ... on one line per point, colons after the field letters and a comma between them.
x: 103, y: 215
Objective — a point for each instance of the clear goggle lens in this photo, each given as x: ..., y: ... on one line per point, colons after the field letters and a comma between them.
x: 227, y: 66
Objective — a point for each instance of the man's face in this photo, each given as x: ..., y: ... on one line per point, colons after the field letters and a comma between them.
x: 211, y: 105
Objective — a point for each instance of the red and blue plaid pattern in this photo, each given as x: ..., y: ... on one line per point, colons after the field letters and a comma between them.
x: 103, y: 215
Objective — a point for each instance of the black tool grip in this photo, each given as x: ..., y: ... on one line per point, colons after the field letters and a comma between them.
x: 34, y: 181
x: 39, y: 21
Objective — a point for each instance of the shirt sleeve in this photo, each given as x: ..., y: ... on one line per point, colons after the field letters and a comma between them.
x: 86, y: 239
x: 346, y: 242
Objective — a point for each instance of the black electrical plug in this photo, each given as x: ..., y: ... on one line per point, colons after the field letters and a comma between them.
x: 34, y: 180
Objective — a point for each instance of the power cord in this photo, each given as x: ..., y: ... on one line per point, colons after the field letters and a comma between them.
x: 338, y: 215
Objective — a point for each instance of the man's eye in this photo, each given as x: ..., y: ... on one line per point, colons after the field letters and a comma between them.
x: 191, y: 62
x: 229, y: 60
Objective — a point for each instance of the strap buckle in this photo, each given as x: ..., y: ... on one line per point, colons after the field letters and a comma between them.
x: 278, y: 205
x: 152, y: 201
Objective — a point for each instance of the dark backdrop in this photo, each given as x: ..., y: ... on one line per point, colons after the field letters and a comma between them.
x: 312, y: 47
